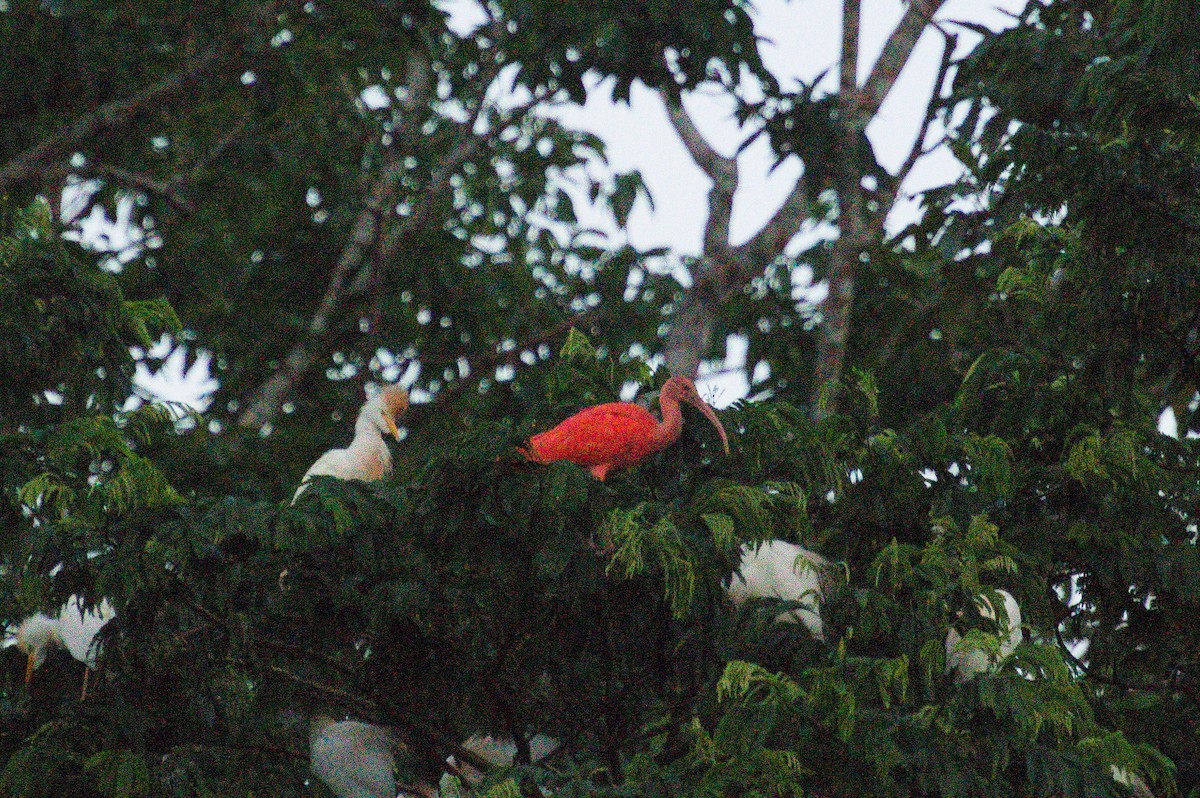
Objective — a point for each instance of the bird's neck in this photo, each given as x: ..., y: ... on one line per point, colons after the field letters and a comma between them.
x: 668, y: 431
x: 368, y: 440
x: 39, y: 633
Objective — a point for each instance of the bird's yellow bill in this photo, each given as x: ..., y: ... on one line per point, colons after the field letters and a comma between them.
x: 391, y: 425
x: 30, y: 666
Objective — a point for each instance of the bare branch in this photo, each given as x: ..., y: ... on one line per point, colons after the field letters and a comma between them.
x: 217, y: 150
x: 918, y: 147
x: 858, y: 229
x: 895, y: 55
x: 848, y: 79
x: 170, y: 190
x: 692, y: 324
x: 107, y: 117
x: 768, y: 244
x: 481, y: 364
x: 300, y: 359
x: 721, y: 170
x: 377, y: 236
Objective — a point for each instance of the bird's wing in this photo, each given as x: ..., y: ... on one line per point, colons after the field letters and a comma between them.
x: 349, y: 757
x: 79, y: 628
x: 597, y: 435
x: 333, y: 463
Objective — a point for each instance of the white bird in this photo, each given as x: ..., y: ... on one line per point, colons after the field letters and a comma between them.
x: 1133, y: 781
x: 356, y: 760
x: 969, y: 661
x: 74, y: 629
x: 367, y: 457
x: 780, y: 570
x: 497, y: 751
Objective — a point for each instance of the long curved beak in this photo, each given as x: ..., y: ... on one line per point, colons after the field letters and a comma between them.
x: 391, y: 425
x: 711, y: 415
x: 30, y: 666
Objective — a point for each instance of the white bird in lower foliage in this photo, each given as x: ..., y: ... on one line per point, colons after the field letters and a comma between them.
x: 74, y: 629
x: 780, y: 570
x: 499, y: 752
x: 356, y: 760
x: 967, y: 662
x: 367, y: 457
x: 1133, y: 781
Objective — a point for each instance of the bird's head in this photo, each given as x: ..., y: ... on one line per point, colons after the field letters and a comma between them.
x: 33, y: 636
x: 681, y: 389
x: 387, y: 406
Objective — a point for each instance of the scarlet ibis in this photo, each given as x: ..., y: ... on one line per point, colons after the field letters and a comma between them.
x: 968, y: 661
x: 354, y: 759
x: 74, y: 629
x: 618, y: 434
x: 781, y: 570
x: 367, y: 457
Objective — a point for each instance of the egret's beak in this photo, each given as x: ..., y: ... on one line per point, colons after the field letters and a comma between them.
x: 30, y: 666
x: 391, y: 425
x: 711, y: 415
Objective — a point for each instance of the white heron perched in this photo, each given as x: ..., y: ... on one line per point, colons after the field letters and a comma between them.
x: 499, y: 752
x: 74, y: 629
x: 969, y: 661
x: 355, y: 759
x: 1133, y: 781
x: 367, y: 457
x: 780, y: 570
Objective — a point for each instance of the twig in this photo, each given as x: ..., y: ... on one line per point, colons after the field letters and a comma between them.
x: 918, y: 148
x: 168, y: 190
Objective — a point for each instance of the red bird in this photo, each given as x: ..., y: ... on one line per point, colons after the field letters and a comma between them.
x: 619, y: 434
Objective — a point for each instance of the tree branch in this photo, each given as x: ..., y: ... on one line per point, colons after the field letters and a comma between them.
x: 107, y: 117
x: 692, y: 324
x: 858, y: 229
x: 387, y: 236
x: 848, y: 77
x: 721, y: 170
x: 270, y: 395
x: 768, y: 244
x: 170, y: 190
x: 918, y: 148
x: 895, y: 55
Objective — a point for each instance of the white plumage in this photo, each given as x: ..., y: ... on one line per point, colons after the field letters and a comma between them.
x: 74, y: 629
x: 780, y: 570
x: 367, y: 457
x: 1133, y: 781
x: 499, y: 752
x: 969, y: 661
x: 356, y: 760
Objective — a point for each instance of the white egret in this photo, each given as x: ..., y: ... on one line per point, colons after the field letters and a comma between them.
x: 74, y: 629
x: 356, y: 760
x: 367, y: 457
x: 780, y: 570
x: 1133, y: 781
x: 499, y: 752
x: 969, y: 661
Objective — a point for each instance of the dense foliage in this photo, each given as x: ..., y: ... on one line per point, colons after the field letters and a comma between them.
x: 994, y: 426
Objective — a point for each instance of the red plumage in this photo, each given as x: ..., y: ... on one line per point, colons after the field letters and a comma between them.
x: 619, y: 434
